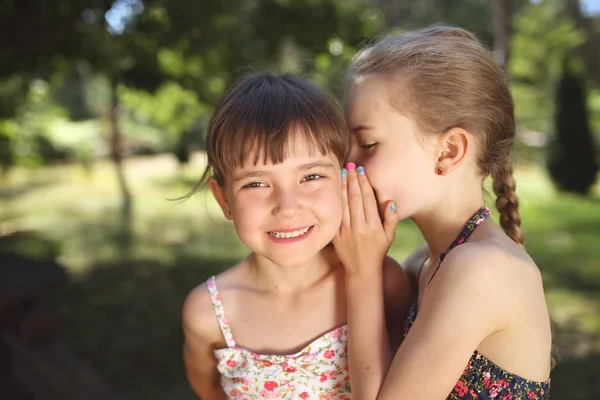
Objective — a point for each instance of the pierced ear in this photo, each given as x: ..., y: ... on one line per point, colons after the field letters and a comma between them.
x: 219, y: 193
x: 455, y: 145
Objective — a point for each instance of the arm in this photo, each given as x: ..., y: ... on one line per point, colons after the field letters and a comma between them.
x: 201, y: 332
x: 369, y: 353
x: 463, y: 305
x: 361, y: 244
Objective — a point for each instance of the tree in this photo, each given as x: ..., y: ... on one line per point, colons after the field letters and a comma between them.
x: 572, y: 159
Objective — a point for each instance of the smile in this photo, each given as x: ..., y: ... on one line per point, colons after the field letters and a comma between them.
x: 290, y: 234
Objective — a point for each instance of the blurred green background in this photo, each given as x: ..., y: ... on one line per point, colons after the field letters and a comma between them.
x: 103, y: 108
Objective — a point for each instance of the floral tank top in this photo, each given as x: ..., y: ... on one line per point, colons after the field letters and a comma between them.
x: 482, y: 379
x: 318, y: 371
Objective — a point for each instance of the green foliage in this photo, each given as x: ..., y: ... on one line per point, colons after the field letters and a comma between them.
x: 544, y: 34
x: 172, y: 109
x: 572, y: 156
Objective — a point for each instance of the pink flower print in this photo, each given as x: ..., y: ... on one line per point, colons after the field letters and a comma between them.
x: 494, y: 391
x: 288, y: 368
x: 271, y: 385
x: 235, y: 393
x: 231, y: 363
x: 331, y: 374
x: 304, y: 395
x: 329, y: 354
x: 225, y: 320
x: 337, y: 333
x: 246, y: 380
x: 531, y: 395
x: 507, y: 397
x: 323, y: 378
x: 461, y: 240
x: 461, y: 389
x: 218, y: 297
x: 212, y: 283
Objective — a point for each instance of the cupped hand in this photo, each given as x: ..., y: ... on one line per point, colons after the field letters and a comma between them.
x: 363, y: 239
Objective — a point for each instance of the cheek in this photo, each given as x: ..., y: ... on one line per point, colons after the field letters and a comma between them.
x: 327, y: 202
x: 380, y: 170
x: 249, y: 210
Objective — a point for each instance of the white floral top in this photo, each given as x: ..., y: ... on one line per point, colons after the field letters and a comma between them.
x: 319, y: 371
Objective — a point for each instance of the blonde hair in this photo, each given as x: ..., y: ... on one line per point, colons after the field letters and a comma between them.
x: 444, y: 77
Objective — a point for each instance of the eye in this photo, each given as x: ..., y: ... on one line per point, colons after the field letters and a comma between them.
x: 368, y: 146
x: 252, y: 185
x: 312, y: 177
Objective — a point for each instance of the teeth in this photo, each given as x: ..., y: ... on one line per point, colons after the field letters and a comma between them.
x: 287, y: 235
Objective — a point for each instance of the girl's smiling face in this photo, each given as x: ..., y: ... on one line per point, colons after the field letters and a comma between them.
x: 286, y: 212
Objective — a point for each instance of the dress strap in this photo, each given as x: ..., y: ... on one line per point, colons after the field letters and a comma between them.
x: 215, y: 297
x: 469, y: 227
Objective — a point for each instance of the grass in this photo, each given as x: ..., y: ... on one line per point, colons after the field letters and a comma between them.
x: 121, y: 312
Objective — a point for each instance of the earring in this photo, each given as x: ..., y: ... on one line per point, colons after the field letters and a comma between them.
x: 439, y: 170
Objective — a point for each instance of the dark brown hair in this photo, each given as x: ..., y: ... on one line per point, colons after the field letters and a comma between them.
x: 443, y: 77
x: 262, y: 115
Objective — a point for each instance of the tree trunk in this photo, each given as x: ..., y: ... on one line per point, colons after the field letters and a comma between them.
x: 116, y: 154
x: 502, y: 11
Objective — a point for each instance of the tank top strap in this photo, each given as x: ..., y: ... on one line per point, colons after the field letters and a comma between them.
x: 466, y: 231
x: 215, y: 297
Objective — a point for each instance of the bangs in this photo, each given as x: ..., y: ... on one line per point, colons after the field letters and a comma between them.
x: 264, y: 118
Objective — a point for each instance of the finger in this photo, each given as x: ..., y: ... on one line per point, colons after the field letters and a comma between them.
x: 355, y: 202
x: 390, y: 220
x: 345, y: 208
x: 368, y: 197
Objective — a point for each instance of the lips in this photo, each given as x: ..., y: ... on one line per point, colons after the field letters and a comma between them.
x: 290, y: 233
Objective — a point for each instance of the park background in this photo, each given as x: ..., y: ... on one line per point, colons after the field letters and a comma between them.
x: 103, y: 108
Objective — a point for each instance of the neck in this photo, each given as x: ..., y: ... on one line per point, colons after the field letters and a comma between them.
x: 285, y: 281
x: 441, y: 224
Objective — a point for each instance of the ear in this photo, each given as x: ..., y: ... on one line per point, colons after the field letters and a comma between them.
x: 455, y: 145
x: 219, y: 193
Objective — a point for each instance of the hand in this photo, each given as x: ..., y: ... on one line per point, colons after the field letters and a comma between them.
x: 363, y: 240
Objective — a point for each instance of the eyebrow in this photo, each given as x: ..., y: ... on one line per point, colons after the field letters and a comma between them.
x: 249, y: 174
x: 301, y: 167
x: 304, y: 167
x: 361, y: 127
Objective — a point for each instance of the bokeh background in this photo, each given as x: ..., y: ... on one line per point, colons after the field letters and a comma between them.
x: 103, y: 108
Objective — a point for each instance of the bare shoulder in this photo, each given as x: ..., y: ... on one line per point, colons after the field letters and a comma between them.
x: 501, y: 272
x: 198, y: 315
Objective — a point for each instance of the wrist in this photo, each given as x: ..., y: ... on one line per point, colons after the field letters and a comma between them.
x: 371, y: 276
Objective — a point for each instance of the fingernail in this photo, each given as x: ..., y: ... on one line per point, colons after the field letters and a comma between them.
x: 350, y: 166
x: 393, y: 207
x: 360, y: 170
x: 343, y: 172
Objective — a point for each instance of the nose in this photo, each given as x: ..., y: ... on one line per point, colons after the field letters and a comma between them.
x: 287, y: 204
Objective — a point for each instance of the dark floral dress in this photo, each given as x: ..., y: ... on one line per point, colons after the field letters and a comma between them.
x: 482, y: 379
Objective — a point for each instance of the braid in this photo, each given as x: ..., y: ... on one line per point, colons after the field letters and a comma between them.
x: 507, y: 201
